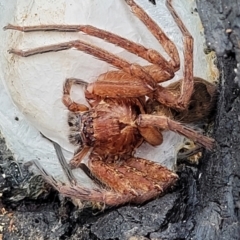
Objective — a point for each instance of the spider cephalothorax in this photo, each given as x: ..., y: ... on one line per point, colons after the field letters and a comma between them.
x: 126, y: 108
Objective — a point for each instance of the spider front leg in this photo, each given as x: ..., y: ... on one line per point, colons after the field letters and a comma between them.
x: 74, y: 121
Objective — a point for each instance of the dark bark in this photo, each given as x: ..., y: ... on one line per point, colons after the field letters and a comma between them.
x: 204, y: 205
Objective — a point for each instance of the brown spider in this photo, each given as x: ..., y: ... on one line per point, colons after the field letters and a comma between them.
x: 120, y: 117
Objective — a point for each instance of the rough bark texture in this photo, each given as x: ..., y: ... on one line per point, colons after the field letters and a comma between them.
x: 205, y: 204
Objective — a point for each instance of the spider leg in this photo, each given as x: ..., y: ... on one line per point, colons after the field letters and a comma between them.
x: 137, y: 183
x: 66, y: 99
x: 188, y: 81
x: 72, y: 189
x: 181, y: 102
x: 161, y: 70
x: 138, y: 83
x: 77, y: 159
x: 153, y: 171
x: 166, y: 123
x: 158, y: 33
x: 148, y: 84
x: 76, y: 190
x: 119, y: 84
x: 178, y: 102
x: 64, y: 164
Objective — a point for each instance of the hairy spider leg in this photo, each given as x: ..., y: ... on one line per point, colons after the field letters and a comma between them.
x: 178, y: 102
x: 66, y: 99
x: 136, y: 178
x: 165, y: 123
x: 146, y: 84
x: 73, y: 189
x: 188, y: 80
x: 137, y: 181
x: 161, y: 70
x: 158, y: 33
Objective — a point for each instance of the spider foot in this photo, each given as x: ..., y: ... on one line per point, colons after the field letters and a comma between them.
x: 16, y: 52
x: 10, y: 26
